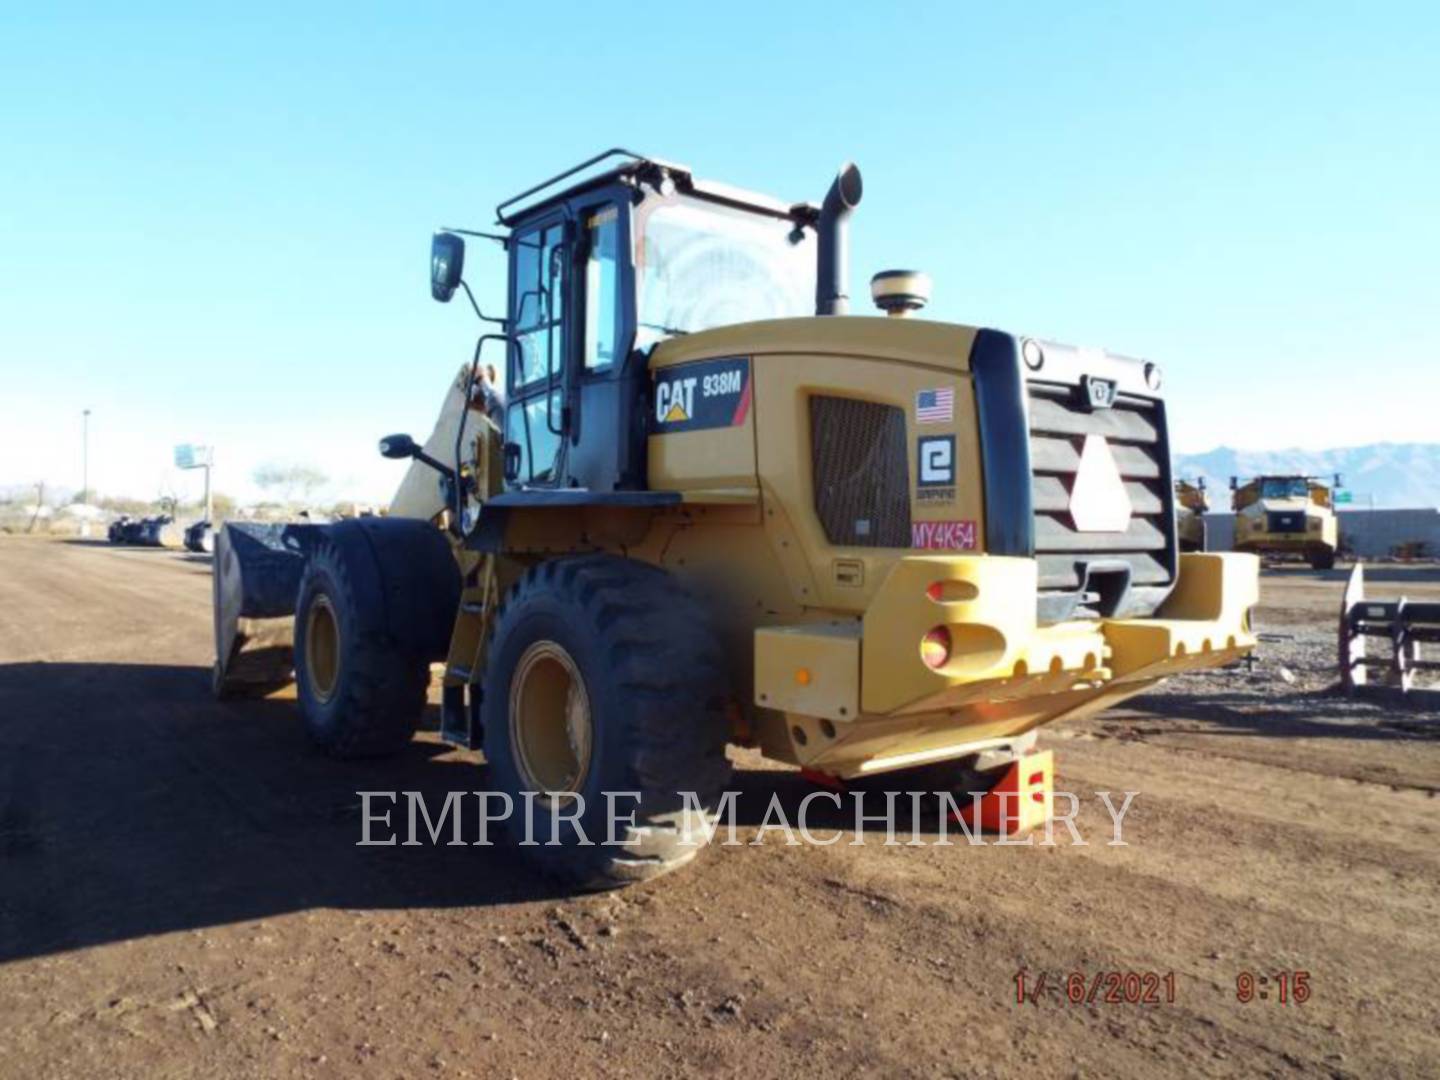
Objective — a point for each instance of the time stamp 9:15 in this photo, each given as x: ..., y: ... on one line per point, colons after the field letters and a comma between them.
x: 1151, y: 987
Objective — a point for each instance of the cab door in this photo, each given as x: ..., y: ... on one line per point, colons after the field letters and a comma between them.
x: 606, y: 451
x: 535, y: 418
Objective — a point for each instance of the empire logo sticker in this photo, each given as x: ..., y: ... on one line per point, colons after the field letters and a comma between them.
x: 943, y: 535
x: 936, y: 455
x: 705, y: 394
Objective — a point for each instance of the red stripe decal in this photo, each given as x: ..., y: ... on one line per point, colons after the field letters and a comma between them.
x: 742, y: 410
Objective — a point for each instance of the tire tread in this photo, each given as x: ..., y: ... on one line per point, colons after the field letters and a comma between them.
x: 667, y: 668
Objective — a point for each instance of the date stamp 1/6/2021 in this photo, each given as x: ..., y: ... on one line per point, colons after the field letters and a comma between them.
x: 1150, y: 987
x: 1096, y: 987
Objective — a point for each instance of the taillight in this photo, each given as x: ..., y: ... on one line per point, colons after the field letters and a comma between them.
x: 952, y: 592
x: 935, y: 647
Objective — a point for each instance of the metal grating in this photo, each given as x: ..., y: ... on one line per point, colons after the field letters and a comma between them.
x: 1285, y: 521
x: 861, y: 471
x: 1100, y: 573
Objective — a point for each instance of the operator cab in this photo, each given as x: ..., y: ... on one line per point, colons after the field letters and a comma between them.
x: 605, y: 261
x: 608, y: 259
x: 1284, y: 489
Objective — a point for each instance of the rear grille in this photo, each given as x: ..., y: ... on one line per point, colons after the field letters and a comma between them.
x: 1100, y: 573
x: 862, y: 478
x: 1285, y: 521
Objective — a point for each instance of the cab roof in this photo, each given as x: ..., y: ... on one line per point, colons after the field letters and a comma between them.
x: 622, y: 165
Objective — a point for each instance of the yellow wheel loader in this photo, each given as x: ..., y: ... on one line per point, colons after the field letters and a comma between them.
x: 1282, y: 517
x: 714, y: 508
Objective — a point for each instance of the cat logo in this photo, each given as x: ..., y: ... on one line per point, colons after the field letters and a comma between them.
x: 1099, y: 393
x: 700, y: 395
x: 674, y: 400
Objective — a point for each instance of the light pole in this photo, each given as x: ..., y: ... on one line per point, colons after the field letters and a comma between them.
x: 85, y: 456
x: 209, y: 505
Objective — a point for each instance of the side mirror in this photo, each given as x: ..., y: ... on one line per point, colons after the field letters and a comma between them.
x: 397, y: 447
x: 447, y: 263
x: 1234, y: 484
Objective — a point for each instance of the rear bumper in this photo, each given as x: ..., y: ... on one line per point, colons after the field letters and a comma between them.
x: 1311, y: 531
x: 1282, y: 544
x: 857, y: 697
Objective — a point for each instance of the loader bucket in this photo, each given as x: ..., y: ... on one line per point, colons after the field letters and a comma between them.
x: 256, y: 583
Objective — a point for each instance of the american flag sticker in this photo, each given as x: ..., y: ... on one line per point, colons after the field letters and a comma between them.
x: 935, y: 406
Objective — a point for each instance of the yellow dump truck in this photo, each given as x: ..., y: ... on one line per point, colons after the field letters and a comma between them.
x: 715, y: 508
x: 1192, y: 502
x: 1287, y: 517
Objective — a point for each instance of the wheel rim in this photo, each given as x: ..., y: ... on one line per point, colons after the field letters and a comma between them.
x: 550, y: 723
x: 322, y: 648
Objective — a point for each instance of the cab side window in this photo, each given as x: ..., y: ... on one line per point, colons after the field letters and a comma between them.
x: 602, y: 284
x: 539, y: 304
x: 538, y: 354
x: 526, y: 426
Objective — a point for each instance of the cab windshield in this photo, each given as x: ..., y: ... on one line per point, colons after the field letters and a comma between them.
x: 1284, y: 488
x: 700, y: 265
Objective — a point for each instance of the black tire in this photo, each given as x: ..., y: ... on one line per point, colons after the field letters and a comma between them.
x: 371, y: 701
x: 653, y: 675
x: 1322, y: 560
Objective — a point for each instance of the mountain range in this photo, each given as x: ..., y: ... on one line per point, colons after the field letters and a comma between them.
x: 1389, y: 475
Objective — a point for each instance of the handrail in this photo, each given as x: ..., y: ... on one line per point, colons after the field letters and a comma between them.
x: 612, y: 152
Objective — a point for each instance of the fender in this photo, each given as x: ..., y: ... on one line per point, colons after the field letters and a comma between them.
x: 406, y: 567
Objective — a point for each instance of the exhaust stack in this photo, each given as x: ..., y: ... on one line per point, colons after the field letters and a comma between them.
x: 832, y: 280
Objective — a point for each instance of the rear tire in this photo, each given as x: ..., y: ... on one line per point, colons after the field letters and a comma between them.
x: 359, y: 695
x: 604, y: 676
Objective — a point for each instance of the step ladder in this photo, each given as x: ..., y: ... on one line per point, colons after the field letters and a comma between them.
x: 460, y: 692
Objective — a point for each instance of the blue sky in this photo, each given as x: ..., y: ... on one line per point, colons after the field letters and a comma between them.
x: 215, y: 226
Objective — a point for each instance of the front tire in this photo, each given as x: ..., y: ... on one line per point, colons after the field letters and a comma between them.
x: 359, y: 695
x: 604, y: 677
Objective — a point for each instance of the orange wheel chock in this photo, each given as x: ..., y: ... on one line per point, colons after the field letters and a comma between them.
x: 1022, y: 800
x: 823, y: 779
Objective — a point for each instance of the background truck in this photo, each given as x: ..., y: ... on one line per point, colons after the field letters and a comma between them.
x: 1287, y: 517
x: 716, y: 509
x: 1192, y: 502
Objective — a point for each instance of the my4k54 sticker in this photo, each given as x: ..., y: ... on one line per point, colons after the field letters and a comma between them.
x: 705, y: 394
x: 943, y: 535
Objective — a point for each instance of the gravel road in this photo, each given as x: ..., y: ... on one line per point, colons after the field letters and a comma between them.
x: 181, y: 893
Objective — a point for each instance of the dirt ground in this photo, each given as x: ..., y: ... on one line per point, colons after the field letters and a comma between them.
x: 181, y: 893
